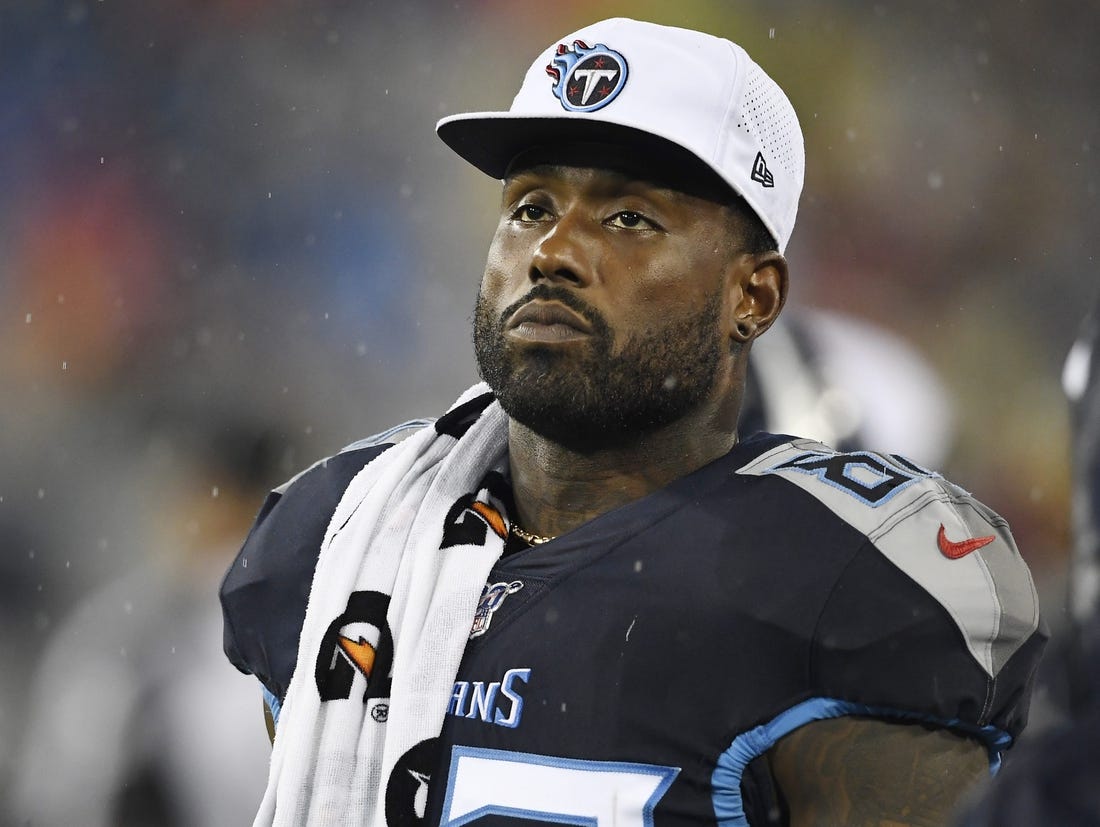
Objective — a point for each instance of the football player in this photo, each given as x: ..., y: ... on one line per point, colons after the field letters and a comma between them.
x: 580, y: 596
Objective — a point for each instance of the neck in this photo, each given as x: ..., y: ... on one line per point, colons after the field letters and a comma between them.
x: 558, y: 488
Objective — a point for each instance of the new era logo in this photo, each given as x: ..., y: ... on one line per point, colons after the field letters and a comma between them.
x: 760, y: 172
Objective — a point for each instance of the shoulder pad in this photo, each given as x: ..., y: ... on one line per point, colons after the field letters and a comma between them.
x: 957, y: 549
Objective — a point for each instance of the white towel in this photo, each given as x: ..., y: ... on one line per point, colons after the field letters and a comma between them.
x: 332, y: 759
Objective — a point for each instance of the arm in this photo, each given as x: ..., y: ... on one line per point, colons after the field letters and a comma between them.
x: 865, y: 772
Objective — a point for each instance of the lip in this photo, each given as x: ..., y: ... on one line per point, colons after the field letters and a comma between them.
x: 547, y: 322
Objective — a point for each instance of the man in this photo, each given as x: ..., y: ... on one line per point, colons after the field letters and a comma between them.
x: 578, y: 596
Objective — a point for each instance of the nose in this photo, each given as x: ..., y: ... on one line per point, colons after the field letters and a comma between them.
x: 564, y: 253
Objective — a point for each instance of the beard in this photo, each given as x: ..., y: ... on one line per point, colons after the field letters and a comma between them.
x: 599, y: 398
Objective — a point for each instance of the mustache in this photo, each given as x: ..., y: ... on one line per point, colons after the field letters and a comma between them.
x: 563, y: 295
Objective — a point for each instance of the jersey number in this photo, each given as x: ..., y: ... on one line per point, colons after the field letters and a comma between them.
x: 559, y: 790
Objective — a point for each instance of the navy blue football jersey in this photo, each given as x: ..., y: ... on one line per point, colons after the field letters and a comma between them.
x: 642, y: 663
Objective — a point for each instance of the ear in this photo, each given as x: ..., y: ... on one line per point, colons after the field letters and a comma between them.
x: 759, y: 292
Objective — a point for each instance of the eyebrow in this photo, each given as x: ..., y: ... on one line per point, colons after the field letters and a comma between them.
x: 612, y: 182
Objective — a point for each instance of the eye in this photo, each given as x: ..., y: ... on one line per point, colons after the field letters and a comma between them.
x: 630, y: 220
x: 530, y: 213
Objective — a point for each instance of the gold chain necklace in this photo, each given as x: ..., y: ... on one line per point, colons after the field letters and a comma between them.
x: 529, y: 538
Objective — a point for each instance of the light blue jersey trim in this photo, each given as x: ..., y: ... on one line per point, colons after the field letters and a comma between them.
x: 729, y: 809
x: 273, y: 705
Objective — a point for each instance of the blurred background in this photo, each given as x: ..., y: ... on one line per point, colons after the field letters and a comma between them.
x: 230, y: 244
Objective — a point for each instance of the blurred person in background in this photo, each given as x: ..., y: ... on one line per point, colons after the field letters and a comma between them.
x: 848, y: 383
x: 611, y: 486
x: 1081, y: 379
x: 1052, y: 779
x: 134, y: 719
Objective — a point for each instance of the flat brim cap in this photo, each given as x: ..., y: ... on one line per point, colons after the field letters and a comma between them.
x: 660, y: 89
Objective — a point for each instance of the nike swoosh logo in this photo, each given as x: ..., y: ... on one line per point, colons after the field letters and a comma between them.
x: 953, y: 551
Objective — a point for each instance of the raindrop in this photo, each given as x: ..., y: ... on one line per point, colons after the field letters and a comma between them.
x: 28, y: 319
x: 935, y: 180
x: 244, y: 563
x: 41, y: 493
x: 771, y: 33
x: 214, y: 492
x: 637, y: 566
x: 128, y: 607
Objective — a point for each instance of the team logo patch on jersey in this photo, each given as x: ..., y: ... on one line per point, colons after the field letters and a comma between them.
x: 586, y: 78
x: 491, y: 597
x: 358, y: 643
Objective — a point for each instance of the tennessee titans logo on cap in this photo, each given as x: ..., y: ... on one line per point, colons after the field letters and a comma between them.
x: 586, y: 79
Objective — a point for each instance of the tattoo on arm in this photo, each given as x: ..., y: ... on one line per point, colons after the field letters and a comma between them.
x: 870, y: 773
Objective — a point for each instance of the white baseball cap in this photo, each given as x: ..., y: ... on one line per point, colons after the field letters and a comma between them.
x: 665, y: 88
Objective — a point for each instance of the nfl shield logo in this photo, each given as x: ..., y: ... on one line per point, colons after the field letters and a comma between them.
x: 491, y: 597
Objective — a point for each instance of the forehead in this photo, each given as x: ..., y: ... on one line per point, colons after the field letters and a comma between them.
x: 623, y: 167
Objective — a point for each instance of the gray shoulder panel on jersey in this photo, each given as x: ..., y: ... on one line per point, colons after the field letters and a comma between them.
x: 957, y: 549
x: 394, y: 434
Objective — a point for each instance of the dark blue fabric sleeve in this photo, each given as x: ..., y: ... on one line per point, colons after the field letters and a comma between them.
x: 265, y: 590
